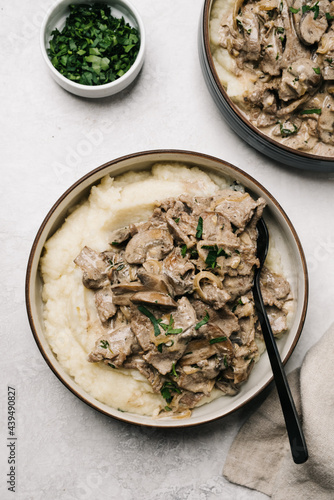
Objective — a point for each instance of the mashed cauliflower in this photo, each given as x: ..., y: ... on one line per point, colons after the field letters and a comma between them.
x: 71, y: 323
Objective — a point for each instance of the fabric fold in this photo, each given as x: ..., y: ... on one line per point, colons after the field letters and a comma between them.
x: 260, y: 456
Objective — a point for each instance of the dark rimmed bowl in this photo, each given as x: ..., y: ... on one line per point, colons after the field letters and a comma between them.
x: 238, y: 122
x: 282, y: 234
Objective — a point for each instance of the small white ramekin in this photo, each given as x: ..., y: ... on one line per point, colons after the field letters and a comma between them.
x: 55, y: 18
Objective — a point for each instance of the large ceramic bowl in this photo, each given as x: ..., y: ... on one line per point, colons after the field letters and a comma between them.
x: 56, y: 17
x: 281, y: 231
x: 238, y: 121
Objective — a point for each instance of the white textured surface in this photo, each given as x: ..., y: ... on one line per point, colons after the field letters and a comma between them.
x: 49, y: 139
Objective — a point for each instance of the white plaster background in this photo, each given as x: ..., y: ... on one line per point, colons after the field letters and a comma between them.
x: 50, y: 138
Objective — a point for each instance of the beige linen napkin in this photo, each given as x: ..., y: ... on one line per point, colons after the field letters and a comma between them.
x: 260, y: 457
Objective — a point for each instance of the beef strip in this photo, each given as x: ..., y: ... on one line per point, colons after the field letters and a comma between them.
x: 105, y: 306
x: 114, y: 346
x: 179, y: 272
x: 275, y: 288
x: 94, y: 268
x: 153, y: 376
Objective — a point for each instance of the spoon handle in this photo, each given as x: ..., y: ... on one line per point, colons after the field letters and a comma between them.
x: 292, y: 422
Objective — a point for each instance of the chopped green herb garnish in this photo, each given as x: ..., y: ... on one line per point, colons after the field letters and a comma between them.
x: 329, y: 60
x: 314, y: 8
x: 177, y: 220
x: 152, y: 318
x: 316, y: 111
x: 166, y: 344
x: 294, y: 11
x: 169, y: 328
x: 214, y: 253
x: 199, y: 228
x: 203, y: 321
x: 285, y: 132
x: 329, y: 17
x: 167, y: 389
x: 93, y: 48
x: 112, y: 366
x: 167, y: 408
x: 104, y: 344
x: 183, y: 250
x: 280, y: 29
x: 240, y: 25
x: 317, y: 71
x: 173, y: 371
x: 277, y: 56
x: 119, y: 268
x: 225, y: 362
x: 115, y: 243
x: 218, y: 339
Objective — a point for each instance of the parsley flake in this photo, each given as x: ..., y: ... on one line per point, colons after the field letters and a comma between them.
x: 152, y: 318
x: 218, y: 339
x: 203, y: 321
x: 316, y: 111
x: 199, y: 228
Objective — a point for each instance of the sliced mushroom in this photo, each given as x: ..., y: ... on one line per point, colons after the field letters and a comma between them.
x: 153, y: 243
x: 154, y: 299
x: 312, y: 27
x: 125, y: 287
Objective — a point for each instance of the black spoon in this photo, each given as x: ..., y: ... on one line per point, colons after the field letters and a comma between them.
x: 293, y: 426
